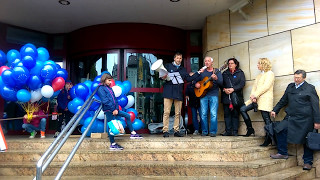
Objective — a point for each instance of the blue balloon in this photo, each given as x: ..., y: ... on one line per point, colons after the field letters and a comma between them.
x: 122, y: 101
x: 126, y: 86
x: 13, y: 55
x: 73, y: 105
x: 94, y: 85
x: 88, y: 83
x: 83, y: 128
x: 37, y: 68
x: 48, y: 72
x: 82, y: 91
x: 3, y: 58
x: 118, y: 83
x: 137, y: 124
x: 34, y: 82
x: 1, y: 82
x: 43, y: 54
x: 99, y: 126
x: 16, y: 62
x: 55, y: 94
x: 78, y: 102
x: 29, y: 50
x: 23, y: 95
x: 132, y: 110
x: 97, y: 78
x: 73, y: 92
x: 123, y: 93
x: 7, y: 78
x: 20, y: 74
x: 8, y: 93
x: 28, y: 62
x: 62, y: 73
x: 58, y: 66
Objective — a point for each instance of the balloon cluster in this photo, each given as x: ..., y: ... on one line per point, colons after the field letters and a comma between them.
x: 29, y: 76
x: 80, y: 92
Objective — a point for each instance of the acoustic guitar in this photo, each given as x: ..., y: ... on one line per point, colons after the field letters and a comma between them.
x: 206, y: 83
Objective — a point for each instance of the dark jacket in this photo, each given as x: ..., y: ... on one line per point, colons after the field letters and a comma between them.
x: 63, y: 99
x: 108, y: 99
x: 194, y: 101
x: 175, y: 91
x: 302, y: 111
x: 238, y: 81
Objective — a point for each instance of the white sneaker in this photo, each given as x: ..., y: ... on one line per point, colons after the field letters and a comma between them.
x: 196, y: 132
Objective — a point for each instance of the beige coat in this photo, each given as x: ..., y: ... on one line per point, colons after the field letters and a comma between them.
x: 263, y: 90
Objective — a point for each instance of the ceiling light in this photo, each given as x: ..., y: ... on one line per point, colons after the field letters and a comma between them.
x: 64, y: 2
x: 174, y: 0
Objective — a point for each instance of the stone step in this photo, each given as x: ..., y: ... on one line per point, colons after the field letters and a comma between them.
x: 222, y: 155
x: 149, y: 141
x: 254, y: 168
x: 292, y: 173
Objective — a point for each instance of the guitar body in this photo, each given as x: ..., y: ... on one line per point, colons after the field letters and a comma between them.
x: 205, y: 85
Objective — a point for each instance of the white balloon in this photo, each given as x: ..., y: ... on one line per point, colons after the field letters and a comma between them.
x: 47, y: 91
x: 130, y: 101
x: 117, y: 90
x: 100, y: 115
x: 35, y: 95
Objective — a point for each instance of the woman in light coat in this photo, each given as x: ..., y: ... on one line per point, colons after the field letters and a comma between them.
x: 262, y: 96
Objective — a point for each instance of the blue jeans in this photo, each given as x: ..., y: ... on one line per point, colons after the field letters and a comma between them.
x: 195, y: 121
x: 29, y: 127
x: 212, y: 102
x: 283, y: 148
x: 110, y: 117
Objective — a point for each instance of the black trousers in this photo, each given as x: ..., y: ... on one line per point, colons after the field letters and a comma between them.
x: 65, y: 116
x: 231, y: 119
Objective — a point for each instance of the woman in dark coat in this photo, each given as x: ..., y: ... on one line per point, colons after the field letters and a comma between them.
x: 233, y: 82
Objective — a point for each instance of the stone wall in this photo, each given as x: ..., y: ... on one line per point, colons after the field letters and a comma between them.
x: 287, y: 32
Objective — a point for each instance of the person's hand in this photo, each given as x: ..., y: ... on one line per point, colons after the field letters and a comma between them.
x: 115, y: 112
x: 317, y: 125
x: 197, y: 85
x: 215, y: 77
x: 273, y: 114
x: 66, y: 109
x: 252, y: 97
x: 165, y: 76
x: 25, y: 116
x: 254, y: 100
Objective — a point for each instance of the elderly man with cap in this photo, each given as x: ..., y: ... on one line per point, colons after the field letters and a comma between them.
x: 63, y: 99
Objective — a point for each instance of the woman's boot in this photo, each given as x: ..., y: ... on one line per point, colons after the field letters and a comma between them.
x: 247, y: 120
x: 249, y: 132
x: 267, y: 141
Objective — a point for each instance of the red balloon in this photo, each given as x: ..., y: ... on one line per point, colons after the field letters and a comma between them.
x: 58, y: 83
x: 132, y: 116
x: 120, y: 108
x: 2, y: 68
x: 112, y: 83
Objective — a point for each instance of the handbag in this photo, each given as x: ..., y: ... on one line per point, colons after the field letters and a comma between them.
x: 115, y: 127
x: 313, y: 140
x: 236, y: 101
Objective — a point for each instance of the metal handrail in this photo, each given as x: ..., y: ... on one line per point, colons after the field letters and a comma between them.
x: 56, y: 145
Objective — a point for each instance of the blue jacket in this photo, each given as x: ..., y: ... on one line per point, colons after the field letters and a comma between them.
x: 175, y: 91
x: 63, y: 99
x: 108, y: 99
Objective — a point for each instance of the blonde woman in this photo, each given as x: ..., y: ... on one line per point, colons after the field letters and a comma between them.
x: 262, y: 96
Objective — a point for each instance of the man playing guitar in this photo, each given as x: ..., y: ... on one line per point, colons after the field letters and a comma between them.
x: 210, y: 98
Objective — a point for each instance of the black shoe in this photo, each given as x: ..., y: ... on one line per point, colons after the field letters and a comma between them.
x: 249, y: 132
x: 204, y: 134
x: 165, y: 134
x: 266, y: 142
x: 235, y: 134
x: 178, y: 134
x: 213, y: 135
x: 226, y: 134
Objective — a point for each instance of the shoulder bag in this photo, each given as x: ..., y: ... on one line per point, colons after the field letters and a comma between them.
x: 236, y: 101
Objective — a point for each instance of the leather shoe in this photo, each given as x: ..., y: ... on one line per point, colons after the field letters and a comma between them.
x: 307, y: 167
x: 165, y: 134
x: 279, y: 156
x: 213, y: 135
x: 178, y: 134
x: 226, y: 134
